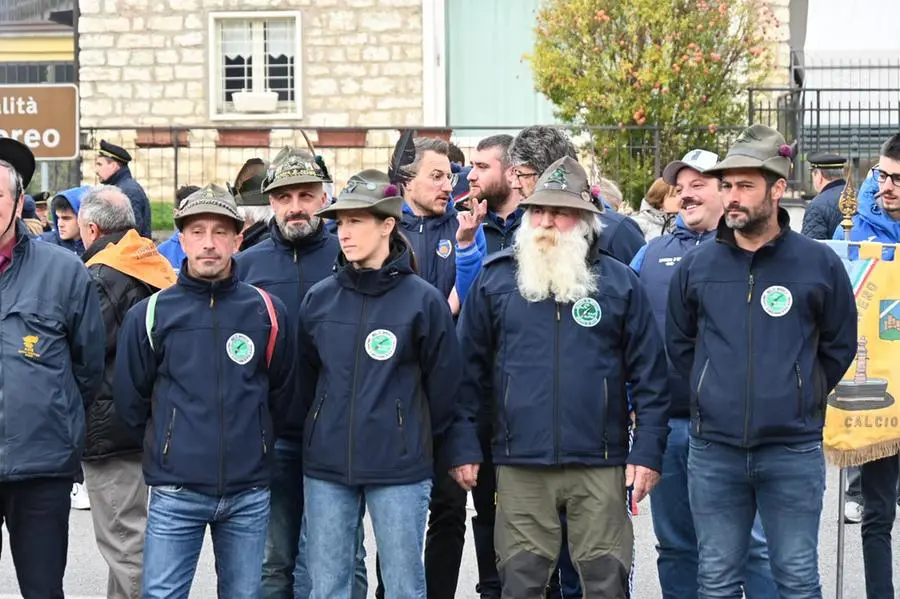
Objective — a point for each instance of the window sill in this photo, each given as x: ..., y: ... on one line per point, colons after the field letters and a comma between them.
x: 257, y: 116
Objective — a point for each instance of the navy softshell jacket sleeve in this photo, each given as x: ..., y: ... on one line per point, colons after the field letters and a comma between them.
x: 647, y: 371
x: 441, y: 364
x: 681, y: 322
x: 135, y: 370
x: 474, y: 333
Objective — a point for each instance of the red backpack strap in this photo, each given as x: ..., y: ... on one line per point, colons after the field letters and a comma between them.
x: 273, y: 318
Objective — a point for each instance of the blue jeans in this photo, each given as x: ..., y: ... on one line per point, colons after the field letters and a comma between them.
x: 176, y: 525
x: 673, y: 525
x: 727, y: 485
x: 399, y: 514
x: 284, y: 521
x: 302, y: 581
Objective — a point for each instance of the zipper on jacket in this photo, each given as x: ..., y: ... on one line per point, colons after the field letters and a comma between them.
x: 605, y: 419
x: 295, y: 255
x: 556, y: 433
x: 221, y: 485
x: 168, y: 442
x: 747, y: 399
x: 262, y: 431
x: 699, y: 387
x: 312, y: 428
x: 299, y: 264
x: 400, y: 426
x: 799, y: 391
x: 359, y: 347
x: 506, y: 411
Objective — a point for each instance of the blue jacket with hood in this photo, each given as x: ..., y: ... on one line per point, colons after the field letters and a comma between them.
x: 203, y: 396
x: 172, y: 251
x: 73, y: 196
x: 378, y: 376
x: 870, y: 222
x: 762, y: 337
x: 556, y: 373
x: 655, y: 263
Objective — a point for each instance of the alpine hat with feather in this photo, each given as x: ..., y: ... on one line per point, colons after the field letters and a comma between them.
x: 369, y: 190
x: 292, y: 167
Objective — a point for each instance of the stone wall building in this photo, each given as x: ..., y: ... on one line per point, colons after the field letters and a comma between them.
x: 193, y: 88
x: 220, y: 81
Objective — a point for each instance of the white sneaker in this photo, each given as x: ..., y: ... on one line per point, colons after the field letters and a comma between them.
x: 80, y: 499
x: 853, y: 512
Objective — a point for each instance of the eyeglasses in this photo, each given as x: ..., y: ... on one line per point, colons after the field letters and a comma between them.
x: 883, y: 177
x: 519, y: 176
x: 437, y: 179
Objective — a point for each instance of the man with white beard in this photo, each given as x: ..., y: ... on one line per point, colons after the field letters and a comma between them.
x: 554, y: 329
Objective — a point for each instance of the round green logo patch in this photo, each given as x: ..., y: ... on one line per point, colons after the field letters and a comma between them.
x: 586, y: 312
x: 777, y: 301
x: 240, y: 348
x: 381, y: 344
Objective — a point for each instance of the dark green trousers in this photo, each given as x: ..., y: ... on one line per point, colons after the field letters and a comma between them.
x: 528, y: 534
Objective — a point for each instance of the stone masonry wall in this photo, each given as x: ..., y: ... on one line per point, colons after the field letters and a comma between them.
x: 145, y: 64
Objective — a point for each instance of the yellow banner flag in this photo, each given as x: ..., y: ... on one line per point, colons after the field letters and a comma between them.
x: 862, y: 421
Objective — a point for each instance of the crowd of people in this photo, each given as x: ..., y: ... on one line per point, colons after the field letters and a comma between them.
x: 293, y: 360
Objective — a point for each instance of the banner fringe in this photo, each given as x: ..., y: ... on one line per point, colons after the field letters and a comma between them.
x: 845, y: 458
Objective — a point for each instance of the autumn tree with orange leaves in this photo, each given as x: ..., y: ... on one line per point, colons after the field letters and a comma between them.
x: 664, y: 73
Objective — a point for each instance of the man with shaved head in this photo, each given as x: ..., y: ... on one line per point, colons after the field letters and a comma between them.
x: 125, y: 268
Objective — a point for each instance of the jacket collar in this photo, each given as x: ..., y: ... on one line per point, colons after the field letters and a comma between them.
x: 833, y: 184
x: 372, y: 281
x: 202, y: 287
x: 725, y: 234
x: 119, y: 176
x: 411, y: 221
x: 101, y: 244
x: 682, y: 231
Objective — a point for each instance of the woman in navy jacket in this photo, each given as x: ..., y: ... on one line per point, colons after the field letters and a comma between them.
x: 380, y: 366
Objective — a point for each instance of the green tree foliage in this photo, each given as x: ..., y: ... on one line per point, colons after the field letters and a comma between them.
x: 663, y: 75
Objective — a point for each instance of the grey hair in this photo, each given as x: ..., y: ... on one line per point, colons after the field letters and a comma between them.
x: 831, y: 174
x: 502, y: 141
x: 539, y: 147
x: 255, y: 214
x: 108, y: 208
x: 609, y: 191
x: 425, y: 144
x: 14, y: 179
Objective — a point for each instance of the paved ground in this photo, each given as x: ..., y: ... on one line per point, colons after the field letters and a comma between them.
x: 86, y: 576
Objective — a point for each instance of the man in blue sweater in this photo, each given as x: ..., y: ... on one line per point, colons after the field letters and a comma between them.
x: 701, y: 209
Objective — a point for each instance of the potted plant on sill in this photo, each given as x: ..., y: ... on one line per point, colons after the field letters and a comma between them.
x: 251, y: 101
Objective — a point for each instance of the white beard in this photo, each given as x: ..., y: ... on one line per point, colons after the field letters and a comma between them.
x: 554, y: 264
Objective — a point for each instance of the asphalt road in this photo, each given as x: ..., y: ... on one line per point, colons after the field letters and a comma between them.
x: 86, y: 575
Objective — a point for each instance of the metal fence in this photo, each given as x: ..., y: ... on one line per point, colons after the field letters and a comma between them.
x: 164, y: 159
x: 851, y: 121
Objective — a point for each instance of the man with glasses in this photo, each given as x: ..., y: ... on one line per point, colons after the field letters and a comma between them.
x: 533, y: 150
x: 878, y: 219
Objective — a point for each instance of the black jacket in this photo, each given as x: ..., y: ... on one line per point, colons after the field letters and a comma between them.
x: 107, y: 435
x: 255, y: 233
x: 822, y: 216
